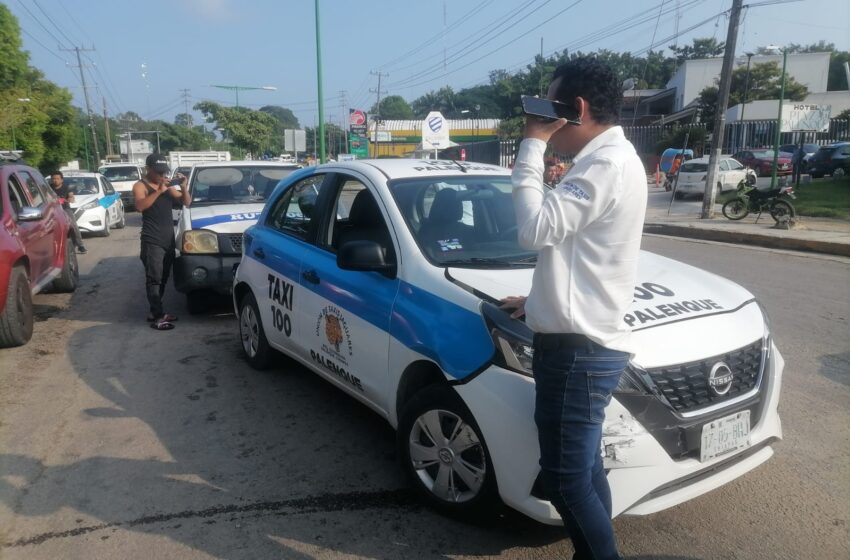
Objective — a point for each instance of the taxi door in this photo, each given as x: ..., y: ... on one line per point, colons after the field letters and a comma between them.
x: 345, y: 313
x: 272, y: 264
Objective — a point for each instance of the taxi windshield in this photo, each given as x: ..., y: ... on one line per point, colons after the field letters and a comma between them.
x: 243, y: 184
x: 463, y: 221
x: 81, y: 185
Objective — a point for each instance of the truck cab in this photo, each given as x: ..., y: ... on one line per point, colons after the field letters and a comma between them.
x: 227, y: 197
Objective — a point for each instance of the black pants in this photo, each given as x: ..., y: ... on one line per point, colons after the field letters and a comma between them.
x: 78, y: 238
x: 157, y: 261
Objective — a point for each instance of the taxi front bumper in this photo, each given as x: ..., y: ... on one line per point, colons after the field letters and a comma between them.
x: 643, y: 477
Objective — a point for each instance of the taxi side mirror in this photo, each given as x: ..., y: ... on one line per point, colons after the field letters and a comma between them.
x: 364, y: 256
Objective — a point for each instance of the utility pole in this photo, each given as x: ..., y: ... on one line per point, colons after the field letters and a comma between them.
x: 106, y: 125
x: 88, y: 102
x: 322, y: 153
x: 377, y: 91
x: 343, y: 118
x: 722, y: 103
x: 185, y: 94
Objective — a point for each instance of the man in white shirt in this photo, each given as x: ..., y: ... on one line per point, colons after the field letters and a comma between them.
x: 587, y: 231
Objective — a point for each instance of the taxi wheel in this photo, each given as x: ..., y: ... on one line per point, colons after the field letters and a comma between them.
x: 253, y: 337
x: 122, y: 222
x: 444, y: 454
x: 105, y: 232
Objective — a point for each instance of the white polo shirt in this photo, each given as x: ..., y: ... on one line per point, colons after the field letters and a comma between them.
x: 587, y: 231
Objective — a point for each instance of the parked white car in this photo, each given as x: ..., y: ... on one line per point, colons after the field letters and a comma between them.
x: 97, y: 205
x: 123, y: 176
x: 370, y: 275
x: 694, y: 173
x: 227, y: 197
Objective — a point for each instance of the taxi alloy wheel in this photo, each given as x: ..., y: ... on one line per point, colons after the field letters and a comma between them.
x: 251, y: 333
x: 445, y: 455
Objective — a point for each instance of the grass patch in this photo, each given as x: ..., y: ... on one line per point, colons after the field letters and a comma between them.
x: 824, y: 198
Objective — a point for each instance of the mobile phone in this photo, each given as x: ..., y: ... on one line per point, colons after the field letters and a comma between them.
x: 548, y: 109
x: 175, y: 182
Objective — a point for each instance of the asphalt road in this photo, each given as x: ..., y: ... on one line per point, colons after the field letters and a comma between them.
x: 117, y: 441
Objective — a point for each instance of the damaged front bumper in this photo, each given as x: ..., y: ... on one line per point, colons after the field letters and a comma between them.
x: 645, y: 475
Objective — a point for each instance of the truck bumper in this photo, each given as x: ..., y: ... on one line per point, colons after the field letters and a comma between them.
x: 205, y: 272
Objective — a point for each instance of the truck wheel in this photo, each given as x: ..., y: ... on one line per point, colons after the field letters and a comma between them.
x: 70, y: 276
x: 16, y: 319
x: 444, y: 454
x: 255, y: 345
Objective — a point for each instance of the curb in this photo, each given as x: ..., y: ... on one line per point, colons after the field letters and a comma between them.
x: 760, y: 240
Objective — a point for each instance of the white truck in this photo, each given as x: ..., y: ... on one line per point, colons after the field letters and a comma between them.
x: 188, y: 159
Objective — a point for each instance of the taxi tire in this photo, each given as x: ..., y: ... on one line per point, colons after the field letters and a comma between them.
x: 122, y: 223
x: 16, y: 320
x: 69, y: 277
x: 262, y: 359
x: 442, y: 397
x: 105, y: 232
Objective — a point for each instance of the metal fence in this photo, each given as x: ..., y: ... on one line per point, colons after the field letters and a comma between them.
x: 749, y: 134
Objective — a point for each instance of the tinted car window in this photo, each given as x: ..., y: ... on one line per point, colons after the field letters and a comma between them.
x: 17, y: 195
x: 293, y: 213
x: 107, y: 186
x: 31, y: 186
x: 693, y: 167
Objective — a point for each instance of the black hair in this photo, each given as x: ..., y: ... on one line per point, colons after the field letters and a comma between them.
x: 57, y: 173
x: 595, y: 82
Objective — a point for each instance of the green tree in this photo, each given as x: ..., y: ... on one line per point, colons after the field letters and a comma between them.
x: 393, y: 107
x: 704, y: 47
x: 675, y: 138
x: 35, y: 114
x: 248, y: 130
x: 184, y: 119
x: 764, y: 83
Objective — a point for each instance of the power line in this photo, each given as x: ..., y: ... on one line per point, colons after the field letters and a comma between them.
x: 88, y: 103
x: 512, y: 41
x: 50, y: 19
x: 38, y: 21
x: 40, y: 44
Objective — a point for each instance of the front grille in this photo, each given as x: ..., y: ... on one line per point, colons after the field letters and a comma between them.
x: 686, y: 387
x: 230, y: 243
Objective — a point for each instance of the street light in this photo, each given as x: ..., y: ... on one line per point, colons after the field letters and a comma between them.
x: 779, y: 117
x: 475, y: 125
x: 237, y: 89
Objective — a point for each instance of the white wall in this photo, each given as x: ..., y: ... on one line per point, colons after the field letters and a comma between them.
x: 810, y: 69
x: 768, y: 109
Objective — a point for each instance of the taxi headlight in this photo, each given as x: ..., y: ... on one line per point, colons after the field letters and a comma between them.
x: 87, y: 206
x: 512, y: 339
x: 200, y: 241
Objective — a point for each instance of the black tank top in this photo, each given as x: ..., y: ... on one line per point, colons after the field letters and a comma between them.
x: 157, y: 223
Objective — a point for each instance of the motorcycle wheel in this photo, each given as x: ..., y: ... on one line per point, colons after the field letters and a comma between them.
x: 781, y: 209
x: 735, y: 209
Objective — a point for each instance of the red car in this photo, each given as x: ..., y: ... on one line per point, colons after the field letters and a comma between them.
x: 36, y: 248
x: 761, y: 161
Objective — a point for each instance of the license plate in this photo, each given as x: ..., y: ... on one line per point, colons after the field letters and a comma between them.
x: 725, y: 436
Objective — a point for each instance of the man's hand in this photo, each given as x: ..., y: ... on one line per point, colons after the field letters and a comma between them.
x: 541, y: 129
x: 517, y: 303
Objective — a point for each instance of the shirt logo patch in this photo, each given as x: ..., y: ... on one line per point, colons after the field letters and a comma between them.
x: 574, y: 190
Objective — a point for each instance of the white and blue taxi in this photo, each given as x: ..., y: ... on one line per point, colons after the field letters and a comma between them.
x: 227, y: 197
x: 384, y: 276
x: 97, y: 205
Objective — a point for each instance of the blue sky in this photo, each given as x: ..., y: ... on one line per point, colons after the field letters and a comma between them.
x: 194, y: 43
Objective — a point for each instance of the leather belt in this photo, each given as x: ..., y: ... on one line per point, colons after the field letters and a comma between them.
x: 564, y: 341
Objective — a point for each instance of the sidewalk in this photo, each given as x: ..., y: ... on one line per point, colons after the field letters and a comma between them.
x: 819, y: 235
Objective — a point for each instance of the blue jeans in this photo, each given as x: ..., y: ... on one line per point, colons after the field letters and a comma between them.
x: 573, y: 387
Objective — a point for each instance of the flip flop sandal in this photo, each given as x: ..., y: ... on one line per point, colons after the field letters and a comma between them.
x: 168, y: 317
x: 162, y: 325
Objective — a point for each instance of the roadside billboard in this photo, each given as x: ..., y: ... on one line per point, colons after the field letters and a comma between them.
x: 805, y: 117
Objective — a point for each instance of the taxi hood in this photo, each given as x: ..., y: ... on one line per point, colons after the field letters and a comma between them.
x: 666, y: 290
x: 80, y: 200
x: 225, y: 218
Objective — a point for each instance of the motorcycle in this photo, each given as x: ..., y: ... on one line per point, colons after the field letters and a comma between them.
x: 749, y: 199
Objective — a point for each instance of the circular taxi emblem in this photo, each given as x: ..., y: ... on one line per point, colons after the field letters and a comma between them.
x: 720, y: 379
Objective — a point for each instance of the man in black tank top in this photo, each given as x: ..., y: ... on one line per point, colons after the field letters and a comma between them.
x: 155, y: 198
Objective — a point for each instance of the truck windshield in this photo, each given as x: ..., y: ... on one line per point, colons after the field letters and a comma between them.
x: 129, y: 173
x: 240, y: 184
x: 463, y: 221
